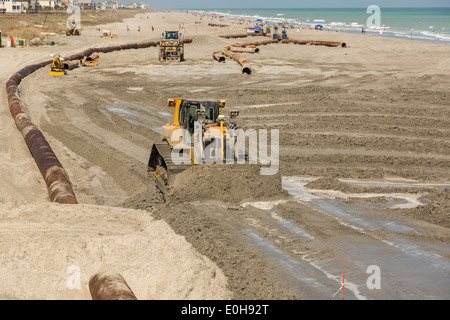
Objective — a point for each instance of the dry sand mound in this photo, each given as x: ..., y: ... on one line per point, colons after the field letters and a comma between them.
x: 44, y: 245
x: 230, y: 183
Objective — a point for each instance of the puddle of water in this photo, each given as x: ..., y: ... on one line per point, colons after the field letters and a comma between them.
x: 302, y: 274
x: 407, y: 271
x: 398, y: 184
x: 263, y: 205
x: 288, y: 225
x: 138, y: 116
x: 326, y: 201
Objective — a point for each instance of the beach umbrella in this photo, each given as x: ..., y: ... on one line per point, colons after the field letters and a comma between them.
x: 319, y: 26
x: 259, y: 20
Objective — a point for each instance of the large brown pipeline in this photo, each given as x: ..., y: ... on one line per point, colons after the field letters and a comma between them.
x: 70, y: 65
x: 240, y: 35
x: 240, y: 59
x: 91, y: 61
x: 243, y: 49
x: 255, y: 43
x: 316, y: 42
x: 110, y: 286
x: 217, y: 25
x: 58, y: 184
x: 216, y: 55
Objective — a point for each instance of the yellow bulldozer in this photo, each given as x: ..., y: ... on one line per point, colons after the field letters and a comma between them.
x: 171, y: 46
x: 72, y: 29
x: 199, y: 134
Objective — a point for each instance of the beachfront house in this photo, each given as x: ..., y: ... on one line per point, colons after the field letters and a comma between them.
x: 27, y: 4
x: 45, y: 4
x: 10, y: 6
x: 84, y: 4
x: 136, y: 5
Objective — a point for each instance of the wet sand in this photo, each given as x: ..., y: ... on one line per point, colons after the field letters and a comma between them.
x: 376, y: 111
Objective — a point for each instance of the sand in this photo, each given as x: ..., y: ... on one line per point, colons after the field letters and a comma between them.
x: 378, y: 109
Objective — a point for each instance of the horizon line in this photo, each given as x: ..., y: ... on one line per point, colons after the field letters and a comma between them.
x: 313, y: 8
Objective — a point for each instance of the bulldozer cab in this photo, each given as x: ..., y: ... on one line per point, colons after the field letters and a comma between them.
x: 188, y: 113
x: 171, y: 35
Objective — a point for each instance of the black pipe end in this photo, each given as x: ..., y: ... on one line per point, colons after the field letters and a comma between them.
x: 247, y: 70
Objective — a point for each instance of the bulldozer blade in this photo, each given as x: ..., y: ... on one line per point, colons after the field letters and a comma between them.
x: 160, y: 185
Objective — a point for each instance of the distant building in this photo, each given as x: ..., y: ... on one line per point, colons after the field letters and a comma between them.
x: 47, y: 3
x: 27, y: 4
x: 10, y: 6
x: 113, y: 5
x: 84, y: 4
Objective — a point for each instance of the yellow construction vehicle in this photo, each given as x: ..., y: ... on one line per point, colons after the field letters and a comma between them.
x: 107, y: 34
x: 171, y: 46
x: 72, y: 29
x: 57, y: 68
x: 199, y: 135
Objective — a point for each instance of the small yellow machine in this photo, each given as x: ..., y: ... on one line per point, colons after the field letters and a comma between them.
x: 171, y: 46
x: 107, y: 34
x: 72, y: 29
x: 199, y: 135
x: 57, y: 68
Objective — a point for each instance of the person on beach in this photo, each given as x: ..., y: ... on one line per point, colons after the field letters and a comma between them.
x: 128, y: 28
x: 381, y: 32
x: 139, y: 28
x: 153, y: 29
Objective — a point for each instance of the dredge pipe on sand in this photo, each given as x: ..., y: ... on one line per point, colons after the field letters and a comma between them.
x: 240, y: 35
x: 70, y: 65
x: 255, y: 43
x: 58, y: 184
x: 244, y: 49
x: 240, y: 59
x: 110, y: 286
x: 216, y: 55
x: 316, y: 42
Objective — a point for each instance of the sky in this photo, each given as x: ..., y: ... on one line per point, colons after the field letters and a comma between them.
x: 230, y: 4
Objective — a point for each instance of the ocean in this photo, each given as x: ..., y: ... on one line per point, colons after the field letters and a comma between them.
x: 427, y: 24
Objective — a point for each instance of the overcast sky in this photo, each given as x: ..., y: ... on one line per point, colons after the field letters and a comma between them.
x: 228, y: 4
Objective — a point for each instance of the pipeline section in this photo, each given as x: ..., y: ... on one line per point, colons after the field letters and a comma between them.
x: 216, y: 55
x: 110, y: 286
x: 240, y: 59
x: 57, y: 181
x: 250, y: 47
x: 316, y: 42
